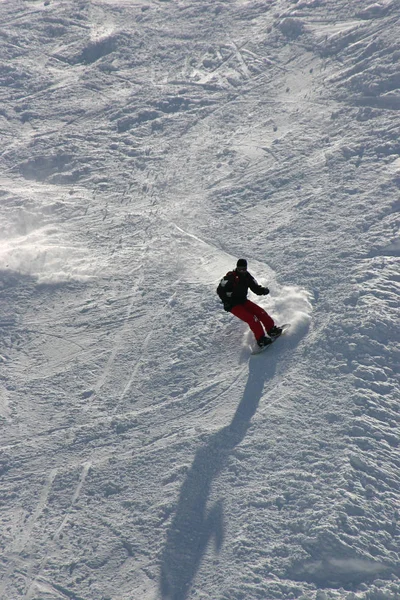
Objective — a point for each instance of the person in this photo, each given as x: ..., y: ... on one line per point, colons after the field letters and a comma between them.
x: 233, y: 289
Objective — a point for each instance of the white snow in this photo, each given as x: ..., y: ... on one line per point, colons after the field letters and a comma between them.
x: 145, y: 454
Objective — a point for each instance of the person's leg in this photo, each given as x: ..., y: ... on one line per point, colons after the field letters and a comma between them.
x: 260, y: 313
x: 251, y: 319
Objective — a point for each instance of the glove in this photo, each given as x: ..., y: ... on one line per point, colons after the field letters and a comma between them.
x: 264, y: 291
x: 227, y: 306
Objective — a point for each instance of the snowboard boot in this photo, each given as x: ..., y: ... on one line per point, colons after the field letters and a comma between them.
x: 274, y: 332
x: 264, y: 341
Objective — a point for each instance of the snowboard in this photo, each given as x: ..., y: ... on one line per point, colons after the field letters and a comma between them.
x: 258, y: 350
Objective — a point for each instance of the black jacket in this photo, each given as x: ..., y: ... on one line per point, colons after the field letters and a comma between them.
x: 233, y: 288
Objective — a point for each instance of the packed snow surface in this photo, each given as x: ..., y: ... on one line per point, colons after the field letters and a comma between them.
x: 145, y: 454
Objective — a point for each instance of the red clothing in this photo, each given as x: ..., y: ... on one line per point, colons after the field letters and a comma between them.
x: 253, y: 315
x: 232, y: 290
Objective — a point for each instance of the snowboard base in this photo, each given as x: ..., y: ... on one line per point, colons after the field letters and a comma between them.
x: 258, y: 350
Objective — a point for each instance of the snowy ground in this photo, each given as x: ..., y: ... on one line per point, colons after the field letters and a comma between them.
x: 144, y: 453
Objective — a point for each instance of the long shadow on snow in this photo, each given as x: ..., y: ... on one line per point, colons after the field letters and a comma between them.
x: 194, y: 525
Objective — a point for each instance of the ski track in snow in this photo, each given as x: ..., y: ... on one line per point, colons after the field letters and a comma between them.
x: 145, y: 454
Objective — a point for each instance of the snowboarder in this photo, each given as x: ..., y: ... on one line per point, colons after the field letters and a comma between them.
x: 232, y: 290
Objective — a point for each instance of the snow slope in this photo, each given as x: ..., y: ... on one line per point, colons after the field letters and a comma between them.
x: 146, y: 145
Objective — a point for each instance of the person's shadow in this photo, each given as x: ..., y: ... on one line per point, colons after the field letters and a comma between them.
x: 194, y: 525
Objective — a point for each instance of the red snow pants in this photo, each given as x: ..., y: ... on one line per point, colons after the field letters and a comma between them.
x: 254, y: 316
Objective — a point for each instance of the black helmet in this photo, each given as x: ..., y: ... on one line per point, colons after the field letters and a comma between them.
x: 241, y: 263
